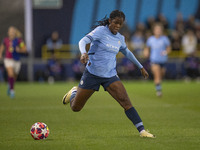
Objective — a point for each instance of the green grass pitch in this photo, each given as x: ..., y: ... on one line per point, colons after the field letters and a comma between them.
x: 102, y: 124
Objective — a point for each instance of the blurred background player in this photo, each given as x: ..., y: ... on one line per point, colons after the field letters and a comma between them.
x: 54, y: 42
x: 106, y: 42
x: 54, y: 67
x: 189, y: 44
x: 14, y: 45
x: 157, y: 48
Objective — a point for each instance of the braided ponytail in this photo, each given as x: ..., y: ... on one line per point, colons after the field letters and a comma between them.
x: 105, y: 20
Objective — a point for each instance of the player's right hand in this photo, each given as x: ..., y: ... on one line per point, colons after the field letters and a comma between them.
x: 144, y: 73
x: 84, y: 58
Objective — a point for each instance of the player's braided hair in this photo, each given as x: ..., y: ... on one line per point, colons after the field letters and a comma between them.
x: 113, y: 14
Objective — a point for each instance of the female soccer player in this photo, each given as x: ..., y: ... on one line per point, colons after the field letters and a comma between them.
x: 106, y: 42
x: 14, y: 45
x: 158, y: 47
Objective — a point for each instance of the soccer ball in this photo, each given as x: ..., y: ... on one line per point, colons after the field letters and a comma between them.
x: 39, y: 131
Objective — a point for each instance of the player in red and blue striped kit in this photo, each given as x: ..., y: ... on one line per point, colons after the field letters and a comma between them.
x: 13, y: 46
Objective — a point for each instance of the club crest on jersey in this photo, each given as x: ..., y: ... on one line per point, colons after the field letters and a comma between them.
x: 91, y: 33
x: 119, y: 42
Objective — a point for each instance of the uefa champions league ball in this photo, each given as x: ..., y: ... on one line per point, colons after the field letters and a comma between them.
x: 39, y: 131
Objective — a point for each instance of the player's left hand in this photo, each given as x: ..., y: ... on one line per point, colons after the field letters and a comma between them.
x: 84, y: 58
x: 144, y: 73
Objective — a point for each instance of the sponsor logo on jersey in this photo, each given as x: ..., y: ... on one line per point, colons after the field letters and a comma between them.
x: 115, y: 48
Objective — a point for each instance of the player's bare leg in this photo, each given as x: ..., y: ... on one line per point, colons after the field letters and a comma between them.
x: 157, y: 73
x: 118, y: 92
x: 163, y: 71
x: 82, y: 95
x: 77, y: 97
x: 156, y: 70
x: 10, y: 71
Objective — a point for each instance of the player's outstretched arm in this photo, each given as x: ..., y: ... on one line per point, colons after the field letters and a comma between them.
x: 1, y: 50
x: 21, y: 49
x: 144, y: 73
x: 82, y: 44
x: 146, y: 52
x: 84, y: 58
x: 168, y: 49
x: 133, y: 59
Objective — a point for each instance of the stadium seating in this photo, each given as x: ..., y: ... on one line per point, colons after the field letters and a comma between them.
x: 135, y: 10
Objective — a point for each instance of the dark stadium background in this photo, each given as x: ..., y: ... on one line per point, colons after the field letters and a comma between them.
x: 74, y: 18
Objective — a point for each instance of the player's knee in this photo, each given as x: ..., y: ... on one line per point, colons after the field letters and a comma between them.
x: 11, y: 74
x: 76, y: 108
x: 126, y: 104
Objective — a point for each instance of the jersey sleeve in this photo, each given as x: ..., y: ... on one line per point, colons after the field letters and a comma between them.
x: 131, y: 57
x: 167, y: 42
x: 82, y: 43
x: 124, y: 50
x: 95, y: 34
x: 148, y: 43
x: 123, y: 46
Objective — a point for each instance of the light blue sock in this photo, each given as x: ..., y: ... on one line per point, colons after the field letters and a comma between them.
x: 158, y: 87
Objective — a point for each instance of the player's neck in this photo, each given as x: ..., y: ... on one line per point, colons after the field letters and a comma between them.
x: 11, y: 38
x: 157, y: 36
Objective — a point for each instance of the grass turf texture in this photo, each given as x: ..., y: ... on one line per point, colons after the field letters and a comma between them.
x: 102, y: 124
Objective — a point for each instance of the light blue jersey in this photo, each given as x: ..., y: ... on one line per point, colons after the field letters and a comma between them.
x: 157, y: 47
x: 103, y: 50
